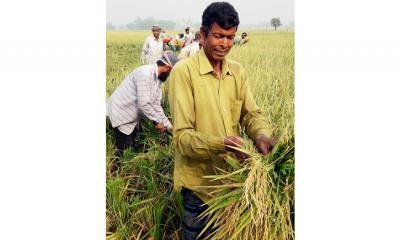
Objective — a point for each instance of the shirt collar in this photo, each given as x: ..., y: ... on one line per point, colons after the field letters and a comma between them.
x: 155, y: 39
x: 205, y: 66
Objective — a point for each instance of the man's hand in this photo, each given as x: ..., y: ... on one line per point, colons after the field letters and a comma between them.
x: 231, y: 142
x: 265, y: 144
x: 159, y: 127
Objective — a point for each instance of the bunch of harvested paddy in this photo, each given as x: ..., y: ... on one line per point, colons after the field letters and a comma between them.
x: 255, y: 199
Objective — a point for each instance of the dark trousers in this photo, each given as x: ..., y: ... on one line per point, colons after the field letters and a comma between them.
x: 192, y: 224
x: 124, y: 141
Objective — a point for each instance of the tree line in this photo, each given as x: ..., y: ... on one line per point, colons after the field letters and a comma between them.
x: 146, y: 23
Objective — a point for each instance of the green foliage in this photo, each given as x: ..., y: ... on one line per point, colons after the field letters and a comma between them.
x: 140, y: 200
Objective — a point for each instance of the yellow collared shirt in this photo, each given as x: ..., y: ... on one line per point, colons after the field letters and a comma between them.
x: 205, y: 109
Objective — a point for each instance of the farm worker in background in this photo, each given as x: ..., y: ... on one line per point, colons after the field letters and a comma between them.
x: 210, y: 101
x: 139, y: 95
x: 191, y: 49
x: 177, y: 42
x: 188, y: 37
x: 152, y: 47
x: 163, y: 34
x: 167, y: 41
x: 242, y: 39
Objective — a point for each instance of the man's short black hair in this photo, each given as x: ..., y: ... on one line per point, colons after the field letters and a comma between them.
x: 222, y: 13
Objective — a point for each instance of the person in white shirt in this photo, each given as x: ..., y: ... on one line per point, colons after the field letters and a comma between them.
x: 191, y: 49
x: 241, y: 40
x: 139, y: 95
x: 152, y: 47
x: 188, y: 36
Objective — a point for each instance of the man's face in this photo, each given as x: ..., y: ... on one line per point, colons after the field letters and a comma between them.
x: 165, y: 73
x: 218, y: 42
x: 156, y: 32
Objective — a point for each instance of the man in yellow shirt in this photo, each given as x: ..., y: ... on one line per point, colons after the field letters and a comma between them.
x: 211, y: 102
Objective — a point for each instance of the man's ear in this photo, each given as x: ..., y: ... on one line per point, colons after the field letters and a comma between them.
x: 202, y: 35
x: 167, y: 68
x: 202, y: 32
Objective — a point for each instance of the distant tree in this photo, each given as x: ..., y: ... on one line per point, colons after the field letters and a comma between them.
x: 167, y: 24
x: 275, y: 22
x: 109, y: 26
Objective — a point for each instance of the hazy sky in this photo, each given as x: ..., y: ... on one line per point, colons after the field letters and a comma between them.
x: 250, y: 11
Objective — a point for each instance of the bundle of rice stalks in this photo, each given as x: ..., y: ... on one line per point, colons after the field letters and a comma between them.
x: 255, y: 199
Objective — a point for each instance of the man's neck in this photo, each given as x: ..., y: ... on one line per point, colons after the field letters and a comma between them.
x: 217, y: 66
